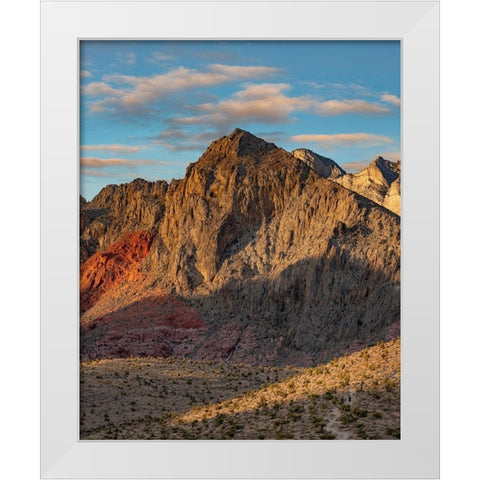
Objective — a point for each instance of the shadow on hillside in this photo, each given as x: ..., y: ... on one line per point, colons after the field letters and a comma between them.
x: 327, y: 403
x: 361, y: 415
x: 310, y: 312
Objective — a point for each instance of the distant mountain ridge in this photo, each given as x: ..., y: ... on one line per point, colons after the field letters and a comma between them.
x: 379, y: 181
x: 281, y: 265
x: 324, y: 166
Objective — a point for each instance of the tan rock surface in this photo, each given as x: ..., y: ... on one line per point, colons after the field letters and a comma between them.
x: 324, y: 166
x: 379, y: 181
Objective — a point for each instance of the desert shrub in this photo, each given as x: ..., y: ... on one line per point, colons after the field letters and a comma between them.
x: 359, y: 412
x: 348, y: 418
x: 392, y: 432
x: 262, y: 401
x: 389, y: 384
x: 284, y: 435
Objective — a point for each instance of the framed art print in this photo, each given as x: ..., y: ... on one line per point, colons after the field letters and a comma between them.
x: 240, y: 239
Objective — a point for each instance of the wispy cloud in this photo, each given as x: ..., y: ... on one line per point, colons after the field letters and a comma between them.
x: 95, y: 162
x: 266, y: 103
x: 160, y: 56
x: 89, y: 172
x: 131, y: 94
x: 127, y: 58
x: 273, y: 137
x: 178, y: 140
x: 85, y: 74
x: 389, y: 98
x: 122, y: 175
x: 338, y: 91
x: 269, y: 103
x: 342, y: 88
x: 344, y: 139
x: 339, y: 107
x: 114, y: 148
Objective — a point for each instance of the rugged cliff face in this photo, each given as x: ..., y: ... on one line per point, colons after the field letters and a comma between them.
x: 119, y: 209
x: 379, y: 181
x: 280, y: 264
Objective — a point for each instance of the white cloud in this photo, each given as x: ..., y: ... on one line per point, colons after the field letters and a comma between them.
x: 269, y: 103
x: 261, y: 103
x: 141, y: 92
x: 85, y: 74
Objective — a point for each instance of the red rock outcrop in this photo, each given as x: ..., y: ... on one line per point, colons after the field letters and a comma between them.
x: 105, y: 270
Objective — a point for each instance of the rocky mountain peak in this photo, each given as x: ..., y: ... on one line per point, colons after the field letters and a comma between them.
x: 389, y: 170
x: 239, y: 143
x: 324, y: 166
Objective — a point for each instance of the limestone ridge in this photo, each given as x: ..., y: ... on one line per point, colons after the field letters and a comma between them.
x: 379, y: 181
x: 282, y: 265
x: 324, y: 166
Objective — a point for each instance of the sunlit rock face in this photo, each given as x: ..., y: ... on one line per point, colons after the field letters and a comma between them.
x: 379, y: 181
x: 324, y: 166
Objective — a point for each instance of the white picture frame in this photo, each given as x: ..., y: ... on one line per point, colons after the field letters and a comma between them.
x: 416, y: 25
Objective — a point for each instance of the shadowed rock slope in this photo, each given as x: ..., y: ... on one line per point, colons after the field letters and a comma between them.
x: 282, y: 266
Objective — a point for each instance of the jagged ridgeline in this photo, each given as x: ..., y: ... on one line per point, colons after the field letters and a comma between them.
x: 257, y: 256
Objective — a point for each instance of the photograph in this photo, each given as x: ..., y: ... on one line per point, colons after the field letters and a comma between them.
x: 239, y: 239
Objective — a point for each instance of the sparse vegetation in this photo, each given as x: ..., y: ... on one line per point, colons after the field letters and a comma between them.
x: 187, y: 399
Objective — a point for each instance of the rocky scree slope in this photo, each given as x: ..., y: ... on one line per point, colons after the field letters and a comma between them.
x: 282, y: 265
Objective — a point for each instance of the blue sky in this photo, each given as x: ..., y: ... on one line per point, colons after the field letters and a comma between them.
x: 149, y: 108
